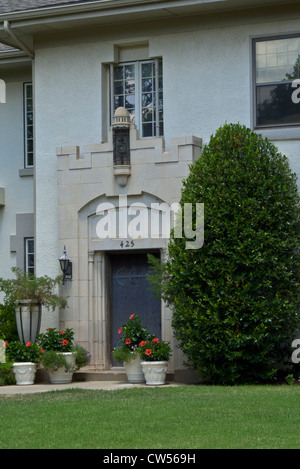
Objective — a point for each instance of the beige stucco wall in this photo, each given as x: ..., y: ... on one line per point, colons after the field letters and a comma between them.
x: 207, y: 73
x: 87, y: 178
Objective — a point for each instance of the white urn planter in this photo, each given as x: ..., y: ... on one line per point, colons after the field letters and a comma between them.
x: 24, y: 372
x: 28, y: 320
x: 134, y: 370
x: 155, y: 372
x: 61, y: 376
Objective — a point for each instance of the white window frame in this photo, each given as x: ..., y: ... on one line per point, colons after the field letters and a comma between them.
x: 138, y: 95
x: 28, y: 129
x: 28, y: 252
x: 272, y: 126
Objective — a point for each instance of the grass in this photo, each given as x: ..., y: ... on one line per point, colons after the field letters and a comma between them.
x: 184, y: 417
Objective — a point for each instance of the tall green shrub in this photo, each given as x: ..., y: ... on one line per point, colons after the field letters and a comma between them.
x: 235, y: 301
x: 8, y: 328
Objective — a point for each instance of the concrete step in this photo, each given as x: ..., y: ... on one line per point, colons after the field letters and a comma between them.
x: 115, y: 374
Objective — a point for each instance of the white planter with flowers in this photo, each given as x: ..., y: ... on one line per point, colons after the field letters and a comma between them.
x: 24, y: 358
x: 64, y: 374
x: 155, y: 356
x: 133, y: 334
x: 60, y: 357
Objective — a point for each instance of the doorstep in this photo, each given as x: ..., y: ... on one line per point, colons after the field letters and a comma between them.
x: 115, y: 374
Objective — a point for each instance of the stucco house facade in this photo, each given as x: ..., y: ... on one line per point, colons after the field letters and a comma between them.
x: 75, y: 173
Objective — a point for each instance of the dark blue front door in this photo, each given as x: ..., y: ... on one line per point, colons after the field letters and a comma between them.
x: 131, y: 294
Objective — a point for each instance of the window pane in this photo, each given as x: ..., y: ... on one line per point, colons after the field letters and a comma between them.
x: 30, y: 245
x: 277, y: 65
x: 119, y: 101
x: 147, y: 115
x: 277, y: 60
x: 118, y: 73
x: 30, y: 131
x: 129, y: 71
x: 129, y: 86
x: 30, y: 260
x: 29, y: 105
x: 29, y: 255
x: 142, y: 78
x: 30, y: 146
x: 275, y: 105
x: 119, y: 87
x: 28, y: 91
x: 29, y: 118
x: 147, y: 130
x: 124, y: 88
x: 147, y: 99
x: 147, y: 85
x: 28, y: 124
x: 29, y: 159
x: 147, y: 70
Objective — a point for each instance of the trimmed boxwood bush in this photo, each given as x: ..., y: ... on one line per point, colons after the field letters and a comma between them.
x: 8, y: 328
x: 235, y: 301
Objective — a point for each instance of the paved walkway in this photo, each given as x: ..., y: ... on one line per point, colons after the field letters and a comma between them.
x: 105, y: 385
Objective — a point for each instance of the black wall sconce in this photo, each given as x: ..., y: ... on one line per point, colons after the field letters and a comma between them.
x: 66, y: 266
x: 120, y: 129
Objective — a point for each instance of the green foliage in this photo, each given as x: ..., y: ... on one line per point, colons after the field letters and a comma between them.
x: 154, y: 350
x: 8, y: 328
x: 59, y: 341
x: 6, y: 374
x: 53, y: 342
x: 132, y: 333
x: 235, y: 301
x: 26, y: 286
x: 53, y: 360
x: 82, y: 356
x: 123, y: 354
x: 19, y: 352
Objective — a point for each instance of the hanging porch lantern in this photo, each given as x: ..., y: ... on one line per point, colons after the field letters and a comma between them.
x: 66, y: 266
x: 120, y: 129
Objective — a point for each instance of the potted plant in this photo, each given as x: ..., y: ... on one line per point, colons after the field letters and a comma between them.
x: 59, y: 356
x: 29, y: 293
x: 154, y: 360
x: 132, y: 334
x: 25, y: 358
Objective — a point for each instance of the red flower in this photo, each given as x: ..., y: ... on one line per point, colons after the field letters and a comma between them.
x: 148, y: 351
x: 127, y: 341
x: 131, y: 317
x: 120, y: 330
x: 65, y: 342
x: 42, y: 350
x: 155, y: 340
x: 5, y: 344
x: 62, y: 332
x: 142, y: 343
x: 28, y: 344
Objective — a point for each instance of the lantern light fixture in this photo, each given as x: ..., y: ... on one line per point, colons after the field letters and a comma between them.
x: 66, y: 266
x: 121, y: 144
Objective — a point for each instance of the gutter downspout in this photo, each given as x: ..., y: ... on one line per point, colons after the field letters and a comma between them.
x: 20, y: 43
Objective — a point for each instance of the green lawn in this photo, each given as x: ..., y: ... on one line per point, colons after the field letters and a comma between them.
x: 184, y: 417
